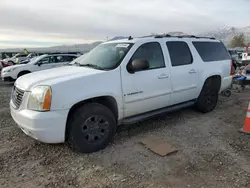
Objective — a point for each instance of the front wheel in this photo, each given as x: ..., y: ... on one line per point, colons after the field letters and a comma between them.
x: 91, y: 128
x: 22, y: 73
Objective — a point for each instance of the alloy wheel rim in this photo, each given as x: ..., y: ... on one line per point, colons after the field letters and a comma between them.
x: 95, y: 129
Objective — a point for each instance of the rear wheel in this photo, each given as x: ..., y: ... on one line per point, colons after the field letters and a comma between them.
x: 208, y: 98
x: 91, y: 128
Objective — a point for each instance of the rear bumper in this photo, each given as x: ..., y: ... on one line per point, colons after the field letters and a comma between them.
x: 226, y: 83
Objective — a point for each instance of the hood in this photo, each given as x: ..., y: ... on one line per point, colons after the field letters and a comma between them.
x: 12, y: 66
x: 53, y: 76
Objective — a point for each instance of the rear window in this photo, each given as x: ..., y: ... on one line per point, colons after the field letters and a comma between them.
x: 211, y: 51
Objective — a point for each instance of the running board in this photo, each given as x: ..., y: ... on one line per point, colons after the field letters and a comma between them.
x: 148, y: 115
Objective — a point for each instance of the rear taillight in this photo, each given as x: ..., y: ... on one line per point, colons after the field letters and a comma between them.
x: 231, y: 68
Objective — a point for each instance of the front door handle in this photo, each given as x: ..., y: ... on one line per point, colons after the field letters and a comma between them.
x: 162, y: 76
x: 192, y: 71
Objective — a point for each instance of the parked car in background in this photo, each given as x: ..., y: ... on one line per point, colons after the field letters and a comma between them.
x: 239, y: 52
x: 43, y: 62
x: 29, y: 57
x: 120, y: 82
x: 3, y: 64
x: 235, y: 58
x: 245, y: 58
x: 233, y: 54
x: 16, y: 59
x: 77, y: 60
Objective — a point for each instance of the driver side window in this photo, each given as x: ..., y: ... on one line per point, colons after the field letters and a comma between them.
x: 152, y: 53
x: 44, y: 60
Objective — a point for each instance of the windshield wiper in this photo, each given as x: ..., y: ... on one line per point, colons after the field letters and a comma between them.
x: 92, y: 66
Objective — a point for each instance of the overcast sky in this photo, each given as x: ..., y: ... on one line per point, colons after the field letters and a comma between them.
x: 26, y: 23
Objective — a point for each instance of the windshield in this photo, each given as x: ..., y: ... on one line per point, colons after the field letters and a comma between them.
x: 15, y: 55
x: 36, y: 59
x: 106, y: 56
x: 77, y: 60
x: 30, y: 55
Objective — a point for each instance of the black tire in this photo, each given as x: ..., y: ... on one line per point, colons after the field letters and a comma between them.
x: 91, y: 128
x: 208, y: 98
x: 22, y: 73
x: 227, y: 93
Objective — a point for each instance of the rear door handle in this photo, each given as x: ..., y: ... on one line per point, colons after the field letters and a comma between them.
x: 192, y: 71
x: 162, y: 76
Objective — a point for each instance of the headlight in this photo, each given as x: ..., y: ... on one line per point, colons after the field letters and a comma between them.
x: 40, y: 98
x: 9, y: 70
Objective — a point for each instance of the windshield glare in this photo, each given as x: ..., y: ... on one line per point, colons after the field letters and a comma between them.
x: 106, y: 56
x: 36, y: 59
x: 77, y: 60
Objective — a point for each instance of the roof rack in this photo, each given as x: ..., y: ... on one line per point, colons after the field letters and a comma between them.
x: 186, y: 36
x: 208, y: 38
x: 182, y: 36
x: 161, y: 36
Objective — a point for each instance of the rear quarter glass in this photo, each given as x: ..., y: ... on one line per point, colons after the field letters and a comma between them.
x: 211, y: 51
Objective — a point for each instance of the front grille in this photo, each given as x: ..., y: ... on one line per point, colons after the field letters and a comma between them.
x: 17, y: 96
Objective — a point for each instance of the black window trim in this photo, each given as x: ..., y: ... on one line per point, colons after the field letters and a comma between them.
x: 226, y: 50
x: 192, y: 58
x: 42, y: 60
x: 149, y: 68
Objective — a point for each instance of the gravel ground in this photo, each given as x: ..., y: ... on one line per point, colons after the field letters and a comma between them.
x: 212, y: 153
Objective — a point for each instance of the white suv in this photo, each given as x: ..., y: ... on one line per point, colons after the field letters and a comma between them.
x: 42, y: 62
x: 120, y: 82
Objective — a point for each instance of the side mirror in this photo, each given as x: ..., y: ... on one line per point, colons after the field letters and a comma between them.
x: 39, y: 64
x: 137, y: 65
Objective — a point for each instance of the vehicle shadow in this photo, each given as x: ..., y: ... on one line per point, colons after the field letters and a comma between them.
x: 7, y: 84
x: 164, y: 120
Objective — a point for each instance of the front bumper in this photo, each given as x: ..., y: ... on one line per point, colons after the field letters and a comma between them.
x: 47, y: 127
x: 6, y: 77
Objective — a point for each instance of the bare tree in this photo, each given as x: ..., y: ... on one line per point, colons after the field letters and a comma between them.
x: 238, y: 41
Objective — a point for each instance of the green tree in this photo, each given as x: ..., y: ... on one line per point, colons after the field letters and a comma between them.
x: 238, y: 41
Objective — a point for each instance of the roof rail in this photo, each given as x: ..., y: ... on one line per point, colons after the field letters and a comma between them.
x: 161, y: 36
x: 186, y: 36
x: 177, y: 36
x: 208, y: 38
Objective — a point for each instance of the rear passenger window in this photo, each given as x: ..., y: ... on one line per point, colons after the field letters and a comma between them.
x: 180, y: 53
x: 211, y: 51
x: 69, y: 58
x: 56, y: 59
x: 151, y: 52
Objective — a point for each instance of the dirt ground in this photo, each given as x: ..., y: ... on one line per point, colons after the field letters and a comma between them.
x: 212, y: 153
